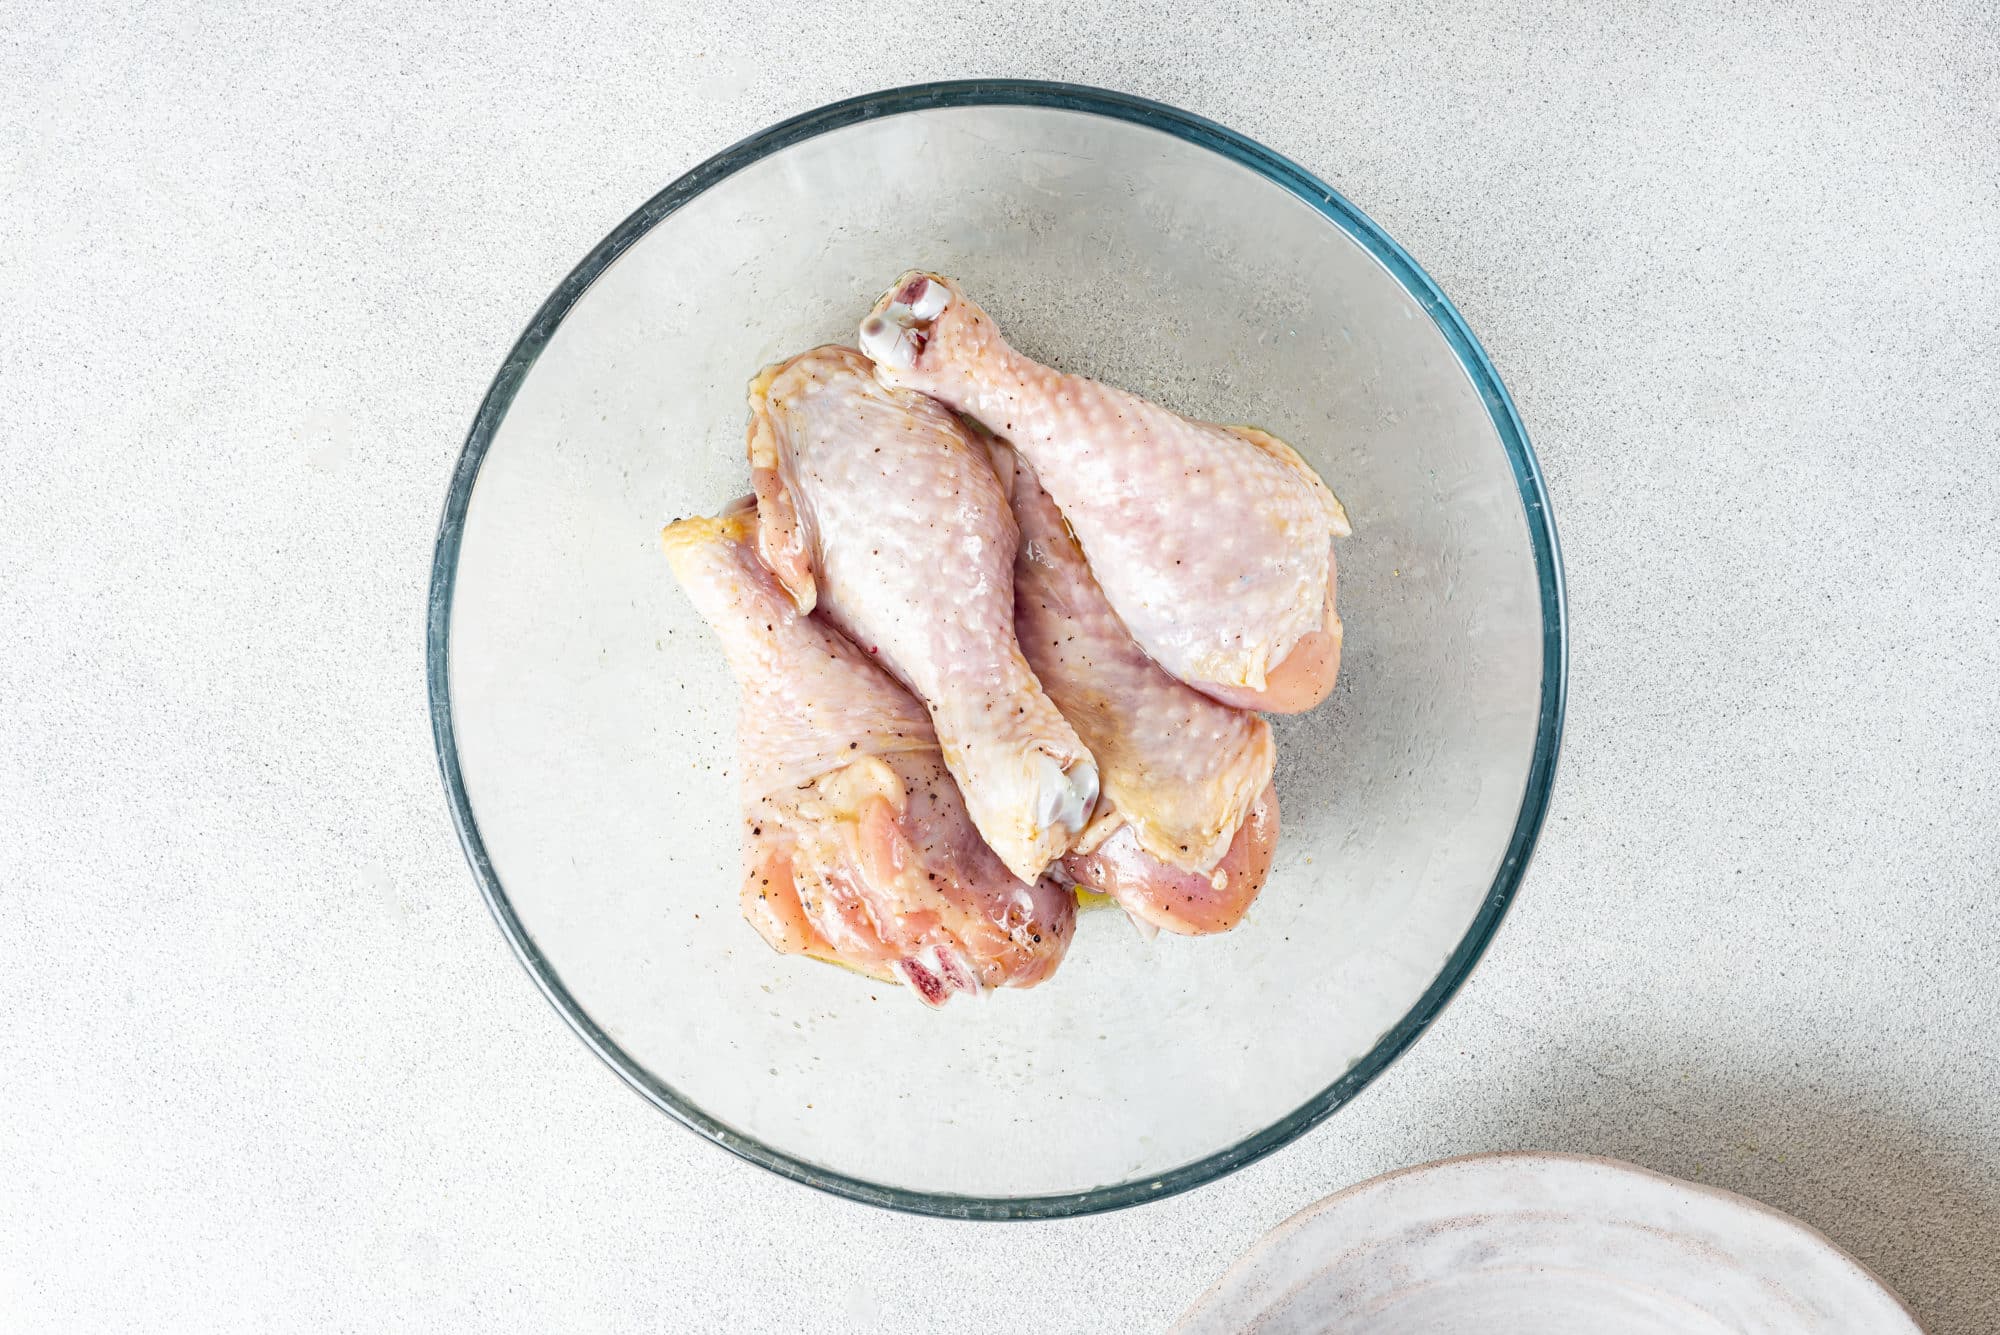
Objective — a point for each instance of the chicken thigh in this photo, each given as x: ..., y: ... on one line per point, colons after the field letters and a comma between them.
x: 1214, y: 543
x: 1184, y: 828
x: 857, y: 848
x: 876, y: 507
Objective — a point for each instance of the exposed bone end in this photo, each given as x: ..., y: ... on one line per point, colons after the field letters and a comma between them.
x: 1065, y: 796
x: 899, y: 328
x: 937, y: 974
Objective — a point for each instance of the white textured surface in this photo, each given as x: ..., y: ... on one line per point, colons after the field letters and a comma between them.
x: 268, y: 1065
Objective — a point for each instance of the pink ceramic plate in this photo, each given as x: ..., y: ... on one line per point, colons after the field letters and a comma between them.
x: 1544, y: 1244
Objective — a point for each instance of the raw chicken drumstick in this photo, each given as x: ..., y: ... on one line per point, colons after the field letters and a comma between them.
x: 856, y: 847
x: 876, y: 507
x: 1189, y: 816
x: 1214, y: 543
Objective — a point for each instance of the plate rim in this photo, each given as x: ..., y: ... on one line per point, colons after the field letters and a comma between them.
x: 1337, y: 211
x: 1297, y: 1221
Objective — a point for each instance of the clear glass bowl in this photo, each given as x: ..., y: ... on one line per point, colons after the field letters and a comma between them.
x: 584, y: 718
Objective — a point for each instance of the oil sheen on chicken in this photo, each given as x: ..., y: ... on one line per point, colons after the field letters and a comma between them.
x: 1214, y: 543
x: 876, y: 508
x: 857, y: 848
x: 1184, y: 829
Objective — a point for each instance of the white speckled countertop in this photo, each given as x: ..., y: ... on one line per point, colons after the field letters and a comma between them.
x: 267, y: 1063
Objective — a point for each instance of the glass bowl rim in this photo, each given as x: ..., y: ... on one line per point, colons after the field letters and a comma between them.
x: 1336, y: 210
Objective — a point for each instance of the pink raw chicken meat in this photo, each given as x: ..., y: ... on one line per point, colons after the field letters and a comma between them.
x: 857, y: 848
x: 1214, y: 543
x: 1189, y: 816
x: 877, y: 508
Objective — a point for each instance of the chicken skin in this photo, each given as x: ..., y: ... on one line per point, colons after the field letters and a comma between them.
x: 1214, y: 543
x: 857, y: 847
x: 1157, y: 893
x: 876, y: 507
x: 1188, y: 816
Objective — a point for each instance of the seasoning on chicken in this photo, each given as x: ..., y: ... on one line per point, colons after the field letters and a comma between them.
x: 857, y: 848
